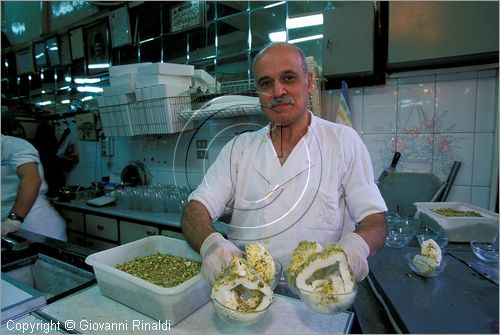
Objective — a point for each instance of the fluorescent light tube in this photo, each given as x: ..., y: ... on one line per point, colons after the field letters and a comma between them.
x: 92, y: 89
x: 307, y: 38
x: 277, y: 36
x: 304, y: 21
x: 274, y: 4
x: 98, y: 66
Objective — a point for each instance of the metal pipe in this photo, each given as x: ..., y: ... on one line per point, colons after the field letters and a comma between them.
x: 451, y: 178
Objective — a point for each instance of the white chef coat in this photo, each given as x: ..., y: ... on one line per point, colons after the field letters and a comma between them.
x: 325, y: 186
x: 42, y: 218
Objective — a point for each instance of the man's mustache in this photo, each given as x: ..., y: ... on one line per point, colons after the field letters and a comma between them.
x: 281, y: 100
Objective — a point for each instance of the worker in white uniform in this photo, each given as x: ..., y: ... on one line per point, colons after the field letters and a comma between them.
x: 24, y: 205
x: 299, y: 178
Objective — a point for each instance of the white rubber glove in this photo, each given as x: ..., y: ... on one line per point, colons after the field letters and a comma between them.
x: 10, y: 226
x: 216, y: 252
x: 357, y: 252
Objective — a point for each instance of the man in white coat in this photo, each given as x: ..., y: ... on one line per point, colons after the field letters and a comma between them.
x: 24, y: 205
x: 299, y: 178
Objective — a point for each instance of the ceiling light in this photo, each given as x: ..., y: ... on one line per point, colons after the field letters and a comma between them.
x: 92, y: 89
x: 307, y: 38
x: 277, y: 36
x: 304, y: 21
x: 274, y: 4
x: 98, y: 66
x: 87, y: 80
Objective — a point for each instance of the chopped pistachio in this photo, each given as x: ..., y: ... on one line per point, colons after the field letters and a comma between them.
x: 161, y: 269
x: 450, y: 212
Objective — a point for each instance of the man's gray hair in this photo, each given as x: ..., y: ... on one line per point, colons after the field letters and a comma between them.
x: 305, y: 66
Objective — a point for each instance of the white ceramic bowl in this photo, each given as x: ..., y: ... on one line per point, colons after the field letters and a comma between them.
x: 437, y: 271
x: 485, y: 251
x: 328, y: 303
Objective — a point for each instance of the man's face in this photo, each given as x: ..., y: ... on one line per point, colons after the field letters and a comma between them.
x: 283, y: 87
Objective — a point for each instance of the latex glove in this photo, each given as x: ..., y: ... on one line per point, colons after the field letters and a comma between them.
x: 357, y: 252
x: 216, y: 252
x: 10, y: 226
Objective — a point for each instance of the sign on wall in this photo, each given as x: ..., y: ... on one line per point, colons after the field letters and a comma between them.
x: 186, y: 16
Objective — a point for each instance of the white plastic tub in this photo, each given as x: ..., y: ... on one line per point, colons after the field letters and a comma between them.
x: 163, y: 304
x: 459, y: 229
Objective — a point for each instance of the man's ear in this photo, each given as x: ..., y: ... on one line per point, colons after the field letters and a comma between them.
x: 309, y: 82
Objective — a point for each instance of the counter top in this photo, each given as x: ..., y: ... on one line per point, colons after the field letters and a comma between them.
x: 162, y: 219
x: 88, y: 311
x: 460, y: 300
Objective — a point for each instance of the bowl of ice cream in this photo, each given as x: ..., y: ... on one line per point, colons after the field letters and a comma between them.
x: 239, y: 316
x: 441, y: 241
x: 423, y: 267
x: 243, y: 291
x: 321, y: 277
x: 328, y: 301
x: 429, y: 262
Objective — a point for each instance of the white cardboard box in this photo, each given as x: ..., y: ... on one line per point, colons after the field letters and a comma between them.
x: 119, y: 70
x: 151, y: 80
x: 168, y: 69
x: 122, y: 79
x: 201, y: 77
x: 160, y: 303
x: 459, y: 229
x: 119, y: 89
x: 168, y: 91
x: 160, y: 91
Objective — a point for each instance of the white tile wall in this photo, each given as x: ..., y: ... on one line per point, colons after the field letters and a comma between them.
x: 432, y: 120
x: 379, y: 113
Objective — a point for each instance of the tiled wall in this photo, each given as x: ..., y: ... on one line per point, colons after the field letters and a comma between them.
x: 432, y: 120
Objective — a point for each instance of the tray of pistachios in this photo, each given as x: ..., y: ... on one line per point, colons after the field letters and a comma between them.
x: 157, y: 275
x: 459, y: 221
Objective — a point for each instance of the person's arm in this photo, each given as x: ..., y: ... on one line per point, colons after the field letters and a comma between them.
x: 27, y: 192
x: 214, y: 249
x: 373, y: 229
x: 196, y: 224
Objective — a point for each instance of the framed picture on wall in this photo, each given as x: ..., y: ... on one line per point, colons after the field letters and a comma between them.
x: 97, y: 47
x: 65, y: 49
x: 120, y: 27
x: 52, y: 45
x: 188, y: 15
x: 76, y: 43
x: 24, y: 61
x: 40, y: 54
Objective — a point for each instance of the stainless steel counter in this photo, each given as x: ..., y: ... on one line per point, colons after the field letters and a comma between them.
x: 462, y: 299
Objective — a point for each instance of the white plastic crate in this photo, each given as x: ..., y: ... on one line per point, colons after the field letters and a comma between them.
x: 163, y: 304
x: 115, y: 116
x: 459, y: 229
x: 161, y: 115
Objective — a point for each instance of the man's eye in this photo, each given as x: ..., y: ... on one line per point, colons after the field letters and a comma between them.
x: 290, y: 77
x: 264, y: 83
